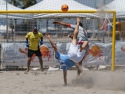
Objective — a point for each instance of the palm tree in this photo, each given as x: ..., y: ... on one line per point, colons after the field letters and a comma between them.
x: 27, y: 3
x: 23, y: 3
x: 14, y: 2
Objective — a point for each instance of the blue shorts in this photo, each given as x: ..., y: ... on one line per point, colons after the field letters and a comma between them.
x: 64, y: 60
x: 64, y: 68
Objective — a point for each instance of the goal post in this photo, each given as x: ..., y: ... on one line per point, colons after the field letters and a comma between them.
x: 72, y: 11
x: 113, y: 41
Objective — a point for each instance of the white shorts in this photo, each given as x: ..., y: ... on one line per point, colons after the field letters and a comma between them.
x: 74, y: 54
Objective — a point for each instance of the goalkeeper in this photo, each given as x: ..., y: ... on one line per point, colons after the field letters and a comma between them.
x: 33, y: 39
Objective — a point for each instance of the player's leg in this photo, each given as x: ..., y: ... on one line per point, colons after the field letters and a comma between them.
x: 65, y: 76
x: 30, y: 53
x: 74, y: 40
x: 82, y: 52
x: 41, y: 62
x: 73, y: 47
x: 28, y: 64
x: 79, y: 71
x: 80, y: 63
x: 38, y: 53
x: 84, y: 46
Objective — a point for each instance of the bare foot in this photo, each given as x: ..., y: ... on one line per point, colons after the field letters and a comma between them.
x: 42, y: 69
x: 27, y: 70
x: 81, y: 75
x: 77, y: 76
x: 65, y: 84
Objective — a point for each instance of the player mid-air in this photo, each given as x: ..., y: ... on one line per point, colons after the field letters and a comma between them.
x: 74, y: 56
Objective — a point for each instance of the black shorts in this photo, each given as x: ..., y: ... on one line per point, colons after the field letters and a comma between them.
x: 31, y: 52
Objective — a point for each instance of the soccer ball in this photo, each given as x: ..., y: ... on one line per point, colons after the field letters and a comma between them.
x: 64, y: 8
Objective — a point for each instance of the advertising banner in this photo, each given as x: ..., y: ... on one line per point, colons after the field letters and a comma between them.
x: 97, y: 54
x: 16, y: 54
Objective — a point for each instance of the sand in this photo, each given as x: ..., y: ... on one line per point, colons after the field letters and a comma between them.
x: 37, y: 82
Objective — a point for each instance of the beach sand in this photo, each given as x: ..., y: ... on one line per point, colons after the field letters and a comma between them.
x: 37, y: 82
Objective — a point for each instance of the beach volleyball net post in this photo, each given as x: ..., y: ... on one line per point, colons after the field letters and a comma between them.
x: 69, y: 12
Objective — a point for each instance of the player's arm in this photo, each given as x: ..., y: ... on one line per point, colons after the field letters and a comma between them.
x: 74, y: 41
x: 27, y: 43
x: 52, y: 43
x: 61, y: 23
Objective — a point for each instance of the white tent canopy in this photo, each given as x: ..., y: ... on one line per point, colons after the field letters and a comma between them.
x: 118, y: 6
x: 16, y: 16
x: 56, y: 5
x: 6, y: 6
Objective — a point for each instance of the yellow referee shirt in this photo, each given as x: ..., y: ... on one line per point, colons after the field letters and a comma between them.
x: 34, y: 40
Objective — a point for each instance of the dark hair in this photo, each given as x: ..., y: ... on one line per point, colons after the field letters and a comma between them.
x: 80, y: 24
x: 35, y: 29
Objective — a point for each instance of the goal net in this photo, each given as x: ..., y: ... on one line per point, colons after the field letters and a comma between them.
x: 98, y: 23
